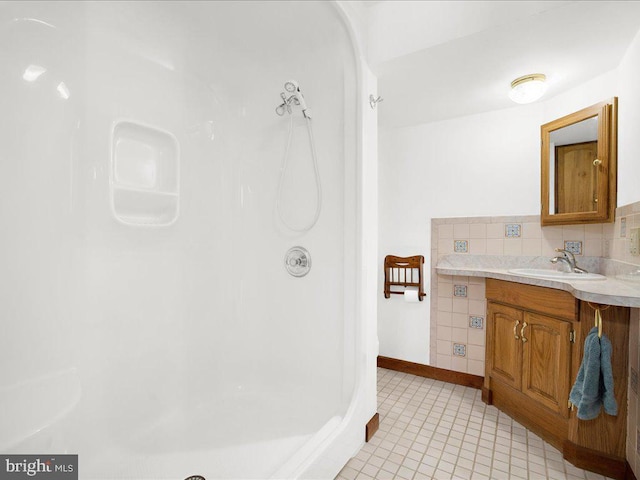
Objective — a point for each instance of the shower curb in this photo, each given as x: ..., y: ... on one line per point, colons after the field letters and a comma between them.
x: 372, y: 427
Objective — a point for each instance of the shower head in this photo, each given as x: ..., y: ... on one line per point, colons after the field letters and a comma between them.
x: 292, y: 86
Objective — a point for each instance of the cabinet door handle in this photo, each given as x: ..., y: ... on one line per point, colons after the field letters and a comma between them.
x: 524, y: 325
x: 515, y: 330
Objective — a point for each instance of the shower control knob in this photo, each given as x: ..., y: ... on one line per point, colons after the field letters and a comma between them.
x: 297, y: 261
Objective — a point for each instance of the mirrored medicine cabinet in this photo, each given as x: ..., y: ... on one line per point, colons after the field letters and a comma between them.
x: 579, y: 166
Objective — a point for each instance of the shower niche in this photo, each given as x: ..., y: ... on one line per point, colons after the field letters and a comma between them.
x: 144, y: 175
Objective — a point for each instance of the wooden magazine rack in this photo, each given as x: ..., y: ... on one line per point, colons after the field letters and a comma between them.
x: 402, y: 272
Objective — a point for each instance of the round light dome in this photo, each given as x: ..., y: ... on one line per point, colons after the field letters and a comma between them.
x: 528, y: 88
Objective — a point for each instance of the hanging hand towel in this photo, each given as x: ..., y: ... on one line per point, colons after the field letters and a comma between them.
x: 593, y: 388
x: 585, y: 394
x: 608, y: 398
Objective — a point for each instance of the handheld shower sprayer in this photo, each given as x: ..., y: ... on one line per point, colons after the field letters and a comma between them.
x: 295, y: 96
x: 292, y: 87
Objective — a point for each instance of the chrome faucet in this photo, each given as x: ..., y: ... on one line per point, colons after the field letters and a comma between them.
x: 568, y: 258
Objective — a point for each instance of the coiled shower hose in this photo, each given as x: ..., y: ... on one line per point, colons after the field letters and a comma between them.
x: 283, y: 171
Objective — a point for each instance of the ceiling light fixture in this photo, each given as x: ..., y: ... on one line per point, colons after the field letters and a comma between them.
x: 528, y: 88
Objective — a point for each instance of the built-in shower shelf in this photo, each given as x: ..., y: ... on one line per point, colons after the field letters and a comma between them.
x: 143, y: 221
x: 145, y: 191
x: 144, y: 176
x: 140, y: 207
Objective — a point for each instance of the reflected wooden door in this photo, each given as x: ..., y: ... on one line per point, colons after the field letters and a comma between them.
x: 577, y: 178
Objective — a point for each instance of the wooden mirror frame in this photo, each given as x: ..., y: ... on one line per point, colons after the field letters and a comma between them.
x: 607, y: 113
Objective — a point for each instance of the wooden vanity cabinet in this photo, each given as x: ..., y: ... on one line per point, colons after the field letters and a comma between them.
x: 534, y: 347
x: 504, y: 350
x: 531, y: 353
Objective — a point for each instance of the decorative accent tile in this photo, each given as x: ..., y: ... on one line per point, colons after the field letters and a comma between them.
x: 634, y: 380
x: 459, y: 290
x: 461, y: 246
x: 476, y: 322
x: 574, y: 247
x: 459, y: 350
x: 512, y: 230
x: 623, y: 227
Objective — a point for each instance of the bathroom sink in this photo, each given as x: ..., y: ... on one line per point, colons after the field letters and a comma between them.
x: 555, y: 274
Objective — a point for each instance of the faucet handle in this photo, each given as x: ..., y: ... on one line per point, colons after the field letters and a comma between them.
x: 566, y: 253
x: 571, y: 258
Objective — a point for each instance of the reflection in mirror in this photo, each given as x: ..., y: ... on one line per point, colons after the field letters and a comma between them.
x: 578, y: 183
x: 573, y: 174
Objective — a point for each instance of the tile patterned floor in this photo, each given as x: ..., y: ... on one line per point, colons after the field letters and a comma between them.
x: 436, y: 430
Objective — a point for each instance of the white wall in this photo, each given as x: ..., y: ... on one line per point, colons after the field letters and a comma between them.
x: 478, y: 165
x: 628, y: 192
x: 357, y: 16
x: 481, y: 165
x: 403, y: 27
x: 629, y: 126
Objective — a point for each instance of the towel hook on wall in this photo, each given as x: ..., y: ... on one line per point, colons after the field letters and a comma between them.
x: 373, y: 101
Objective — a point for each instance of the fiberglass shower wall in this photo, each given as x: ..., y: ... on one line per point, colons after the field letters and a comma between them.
x: 142, y: 256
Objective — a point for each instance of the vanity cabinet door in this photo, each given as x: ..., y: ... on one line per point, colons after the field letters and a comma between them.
x: 504, y: 345
x: 546, y: 353
x: 530, y: 377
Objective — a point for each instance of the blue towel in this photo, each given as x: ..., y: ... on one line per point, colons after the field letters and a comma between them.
x: 608, y: 398
x: 593, y: 388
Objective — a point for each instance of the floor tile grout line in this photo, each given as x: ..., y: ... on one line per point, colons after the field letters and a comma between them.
x: 466, y: 427
x: 453, y: 409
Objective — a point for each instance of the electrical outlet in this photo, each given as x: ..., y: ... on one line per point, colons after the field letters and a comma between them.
x: 634, y: 241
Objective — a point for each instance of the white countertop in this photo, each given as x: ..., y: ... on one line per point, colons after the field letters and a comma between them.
x: 611, y: 291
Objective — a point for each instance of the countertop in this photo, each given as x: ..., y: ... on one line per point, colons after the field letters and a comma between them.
x: 621, y: 287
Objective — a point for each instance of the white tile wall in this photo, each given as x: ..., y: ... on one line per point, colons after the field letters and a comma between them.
x: 616, y: 246
x: 488, y: 236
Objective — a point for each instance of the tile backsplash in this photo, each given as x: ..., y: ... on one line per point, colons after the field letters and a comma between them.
x: 619, y: 242
x: 457, y: 317
x: 619, y: 245
x: 458, y: 321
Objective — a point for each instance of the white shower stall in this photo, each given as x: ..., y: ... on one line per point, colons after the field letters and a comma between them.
x: 149, y: 324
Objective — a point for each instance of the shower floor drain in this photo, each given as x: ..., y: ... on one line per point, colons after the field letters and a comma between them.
x: 195, y: 477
